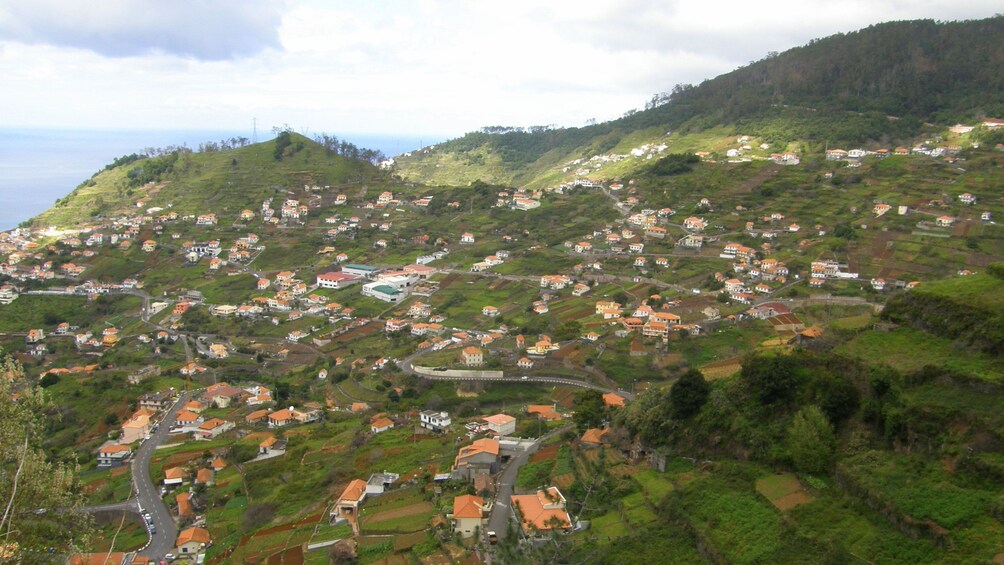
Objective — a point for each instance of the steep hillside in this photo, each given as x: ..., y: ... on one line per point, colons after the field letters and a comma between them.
x: 886, y: 455
x: 969, y: 310
x: 194, y: 183
x: 886, y: 83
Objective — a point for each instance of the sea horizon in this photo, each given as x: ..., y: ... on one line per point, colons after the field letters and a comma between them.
x: 39, y: 165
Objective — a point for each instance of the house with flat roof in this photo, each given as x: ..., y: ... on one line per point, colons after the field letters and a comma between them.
x: 434, y: 420
x: 364, y: 271
x: 384, y: 292
x: 379, y: 482
x: 113, y: 455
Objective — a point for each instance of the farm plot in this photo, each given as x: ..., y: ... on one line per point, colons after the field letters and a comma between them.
x: 783, y: 490
x: 402, y: 511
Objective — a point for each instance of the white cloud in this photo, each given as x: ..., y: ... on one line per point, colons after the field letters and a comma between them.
x: 220, y: 29
x: 426, y: 67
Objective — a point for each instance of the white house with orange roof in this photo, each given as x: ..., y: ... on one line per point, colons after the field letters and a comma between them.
x: 381, y: 425
x: 175, y: 476
x: 468, y: 515
x: 501, y: 424
x: 472, y: 356
x: 348, y: 505
x: 541, y: 512
x: 214, y: 427
x: 280, y: 418
x: 113, y: 455
x: 695, y: 224
x: 135, y: 429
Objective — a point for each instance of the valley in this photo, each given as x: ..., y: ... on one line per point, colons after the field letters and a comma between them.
x: 667, y: 343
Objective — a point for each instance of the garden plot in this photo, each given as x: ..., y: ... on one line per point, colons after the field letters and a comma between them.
x: 783, y: 490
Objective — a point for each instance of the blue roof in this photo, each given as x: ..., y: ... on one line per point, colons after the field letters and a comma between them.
x: 359, y: 267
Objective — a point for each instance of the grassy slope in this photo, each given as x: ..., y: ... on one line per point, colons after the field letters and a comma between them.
x: 223, y: 182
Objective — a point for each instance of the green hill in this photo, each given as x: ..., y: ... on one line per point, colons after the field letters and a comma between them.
x: 186, y: 182
x: 884, y: 84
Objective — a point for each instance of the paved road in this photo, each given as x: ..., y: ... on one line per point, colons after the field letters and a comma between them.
x: 407, y: 365
x: 148, y: 493
x: 500, y: 510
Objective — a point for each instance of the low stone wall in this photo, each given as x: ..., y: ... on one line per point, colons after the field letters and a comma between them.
x: 458, y: 373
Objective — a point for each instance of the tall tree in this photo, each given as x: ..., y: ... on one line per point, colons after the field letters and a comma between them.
x: 37, y: 496
x: 688, y: 394
x: 589, y: 409
x: 772, y: 378
x: 811, y: 441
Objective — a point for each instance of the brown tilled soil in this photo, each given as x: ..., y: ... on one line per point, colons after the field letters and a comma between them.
x: 564, y: 481
x: 183, y: 458
x: 368, y: 329
x: 549, y: 453
x: 792, y: 500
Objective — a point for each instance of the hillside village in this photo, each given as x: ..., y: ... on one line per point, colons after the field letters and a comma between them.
x: 372, y: 360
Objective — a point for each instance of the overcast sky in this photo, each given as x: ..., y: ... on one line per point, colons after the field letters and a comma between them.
x: 410, y: 67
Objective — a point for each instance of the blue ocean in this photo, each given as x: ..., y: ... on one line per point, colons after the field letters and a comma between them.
x: 39, y: 166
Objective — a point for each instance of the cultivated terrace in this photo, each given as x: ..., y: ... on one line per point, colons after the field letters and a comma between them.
x: 727, y: 352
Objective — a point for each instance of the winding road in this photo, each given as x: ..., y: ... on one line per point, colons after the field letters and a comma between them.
x: 147, y: 495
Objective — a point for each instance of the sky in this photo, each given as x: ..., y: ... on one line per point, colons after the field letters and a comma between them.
x: 409, y: 67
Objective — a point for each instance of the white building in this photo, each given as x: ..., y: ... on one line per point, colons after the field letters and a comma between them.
x: 434, y: 420
x: 383, y: 291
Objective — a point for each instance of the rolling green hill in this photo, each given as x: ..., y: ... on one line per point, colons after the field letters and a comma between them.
x: 888, y: 83
x: 186, y: 182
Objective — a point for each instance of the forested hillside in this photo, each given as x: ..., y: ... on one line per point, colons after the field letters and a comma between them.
x: 886, y: 83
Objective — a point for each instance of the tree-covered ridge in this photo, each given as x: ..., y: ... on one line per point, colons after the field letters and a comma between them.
x: 921, y: 70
